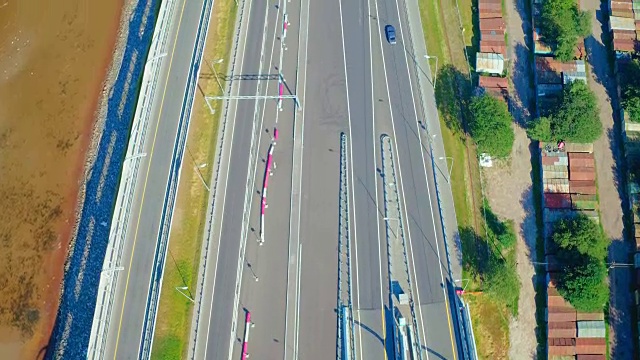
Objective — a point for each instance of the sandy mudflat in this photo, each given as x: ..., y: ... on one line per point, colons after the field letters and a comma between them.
x: 56, y: 65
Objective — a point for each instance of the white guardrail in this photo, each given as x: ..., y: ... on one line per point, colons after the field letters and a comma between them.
x: 112, y: 261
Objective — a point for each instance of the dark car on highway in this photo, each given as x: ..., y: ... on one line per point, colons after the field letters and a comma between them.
x: 390, y: 32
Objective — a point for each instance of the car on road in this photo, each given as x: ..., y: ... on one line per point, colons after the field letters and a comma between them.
x: 390, y: 32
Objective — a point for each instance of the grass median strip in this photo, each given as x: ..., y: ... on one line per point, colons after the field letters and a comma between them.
x: 175, y: 310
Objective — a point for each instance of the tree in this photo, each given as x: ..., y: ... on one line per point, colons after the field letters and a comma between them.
x: 630, y: 84
x: 579, y: 235
x: 582, y: 249
x: 562, y: 24
x: 540, y: 129
x: 577, y: 118
x: 490, y: 126
x: 583, y: 285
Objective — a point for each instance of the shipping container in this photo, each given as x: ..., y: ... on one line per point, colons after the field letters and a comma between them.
x: 561, y: 350
x: 493, y: 82
x: 623, y: 13
x: 571, y: 76
x: 555, y: 174
x: 490, y: 2
x: 492, y: 24
x: 557, y: 300
x: 590, y: 328
x: 625, y: 45
x: 582, y: 316
x: 591, y: 346
x: 562, y: 325
x: 555, y: 185
x: 555, y: 160
x: 582, y: 173
x: 485, y: 47
x: 549, y: 89
x: 493, y: 7
x: 548, y: 77
x: 561, y: 315
x: 578, y: 147
x: 489, y: 36
x: 562, y: 341
x: 624, y: 34
x: 591, y: 357
x: 489, y: 13
x: 584, y: 202
x: 620, y: 23
x: 561, y: 333
x: 621, y: 5
x: 586, y: 187
x: 637, y: 239
x: 582, y: 160
x: 557, y: 201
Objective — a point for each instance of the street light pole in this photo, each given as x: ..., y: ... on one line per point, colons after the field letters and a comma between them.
x: 449, y: 168
x: 435, y: 78
x: 180, y: 289
x: 215, y: 73
x: 197, y: 168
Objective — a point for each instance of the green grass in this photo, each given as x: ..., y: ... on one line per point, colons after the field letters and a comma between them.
x: 489, y: 317
x: 175, y: 310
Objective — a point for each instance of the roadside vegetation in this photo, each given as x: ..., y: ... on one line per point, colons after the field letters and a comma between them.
x: 582, y: 251
x: 441, y: 27
x: 630, y: 86
x: 490, y: 126
x: 562, y: 25
x: 175, y: 310
x: 576, y: 118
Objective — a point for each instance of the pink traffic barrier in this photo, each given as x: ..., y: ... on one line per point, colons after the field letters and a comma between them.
x: 275, y: 134
x: 245, y: 343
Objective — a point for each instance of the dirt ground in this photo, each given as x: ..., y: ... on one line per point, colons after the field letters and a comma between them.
x: 606, y: 150
x: 53, y: 61
x: 508, y: 185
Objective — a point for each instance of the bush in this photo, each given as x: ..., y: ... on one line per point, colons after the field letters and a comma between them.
x: 501, y: 281
x: 582, y: 235
x: 630, y: 84
x: 577, y: 118
x: 582, y: 249
x: 562, y: 24
x: 583, y: 285
x: 490, y: 126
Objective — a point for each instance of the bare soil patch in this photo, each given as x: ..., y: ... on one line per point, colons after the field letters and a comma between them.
x: 53, y: 61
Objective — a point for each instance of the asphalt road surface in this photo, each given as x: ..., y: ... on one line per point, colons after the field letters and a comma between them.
x: 126, y: 322
x: 350, y: 80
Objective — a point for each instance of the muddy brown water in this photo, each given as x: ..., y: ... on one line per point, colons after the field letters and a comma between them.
x: 53, y: 61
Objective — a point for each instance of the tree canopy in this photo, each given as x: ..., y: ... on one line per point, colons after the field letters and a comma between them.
x: 583, y: 285
x: 577, y: 118
x: 582, y: 235
x: 582, y: 249
x: 490, y: 126
x: 630, y: 84
x: 562, y: 24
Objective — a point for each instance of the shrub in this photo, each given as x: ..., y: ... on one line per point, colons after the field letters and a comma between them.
x: 490, y: 126
x: 577, y: 118
x: 583, y: 285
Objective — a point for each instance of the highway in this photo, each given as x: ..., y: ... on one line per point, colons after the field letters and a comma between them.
x: 132, y: 289
x: 349, y: 79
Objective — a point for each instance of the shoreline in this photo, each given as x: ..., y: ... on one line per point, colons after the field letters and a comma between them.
x: 95, y: 113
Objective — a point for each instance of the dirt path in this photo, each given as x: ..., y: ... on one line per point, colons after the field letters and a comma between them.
x: 508, y: 185
x: 606, y: 150
x: 53, y: 60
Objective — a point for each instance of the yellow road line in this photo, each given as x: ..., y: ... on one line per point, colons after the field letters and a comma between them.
x: 384, y: 334
x: 144, y: 189
x: 449, y: 315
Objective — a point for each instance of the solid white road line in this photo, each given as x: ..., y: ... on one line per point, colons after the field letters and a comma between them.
x: 350, y: 172
x: 424, y: 167
x: 245, y: 225
x: 224, y: 196
x: 399, y: 178
x: 300, y: 167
